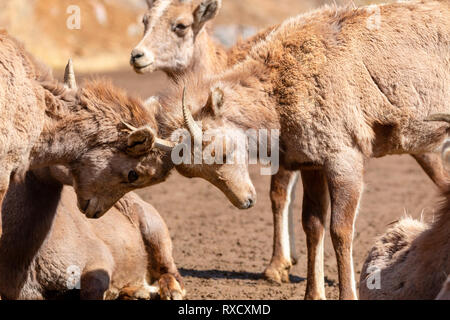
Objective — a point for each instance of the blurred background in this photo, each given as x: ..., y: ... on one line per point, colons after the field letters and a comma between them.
x: 111, y: 28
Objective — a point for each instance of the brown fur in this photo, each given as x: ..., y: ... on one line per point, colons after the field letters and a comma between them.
x: 208, y: 58
x: 44, y: 234
x: 327, y: 82
x: 412, y: 259
x: 46, y: 124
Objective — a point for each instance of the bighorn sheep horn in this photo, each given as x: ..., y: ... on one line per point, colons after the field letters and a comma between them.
x: 189, y: 122
x: 165, y: 145
x: 439, y: 117
x: 69, y: 76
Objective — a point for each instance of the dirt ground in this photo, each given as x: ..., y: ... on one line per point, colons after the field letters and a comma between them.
x: 222, y: 251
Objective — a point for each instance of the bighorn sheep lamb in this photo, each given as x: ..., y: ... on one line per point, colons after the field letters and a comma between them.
x: 47, y: 245
x: 177, y: 41
x: 411, y: 260
x: 89, y: 129
x: 340, y: 91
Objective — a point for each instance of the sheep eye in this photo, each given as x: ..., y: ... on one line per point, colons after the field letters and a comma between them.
x: 132, y: 176
x: 180, y: 26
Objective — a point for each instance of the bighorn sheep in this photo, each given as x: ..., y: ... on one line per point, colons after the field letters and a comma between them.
x: 177, y: 41
x: 47, y: 245
x: 411, y: 260
x: 89, y: 129
x: 340, y: 90
x: 169, y: 23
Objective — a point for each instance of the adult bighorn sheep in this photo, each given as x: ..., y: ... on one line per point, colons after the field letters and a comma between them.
x: 411, y: 260
x: 89, y: 129
x: 340, y: 90
x: 47, y: 246
x: 177, y: 41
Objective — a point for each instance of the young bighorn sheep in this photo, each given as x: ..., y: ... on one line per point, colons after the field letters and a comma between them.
x: 326, y: 80
x: 47, y: 245
x: 47, y: 123
x: 174, y: 24
x: 177, y: 41
x: 411, y: 260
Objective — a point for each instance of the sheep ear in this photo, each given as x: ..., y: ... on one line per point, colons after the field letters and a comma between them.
x: 205, y: 11
x: 215, y: 101
x: 140, y: 141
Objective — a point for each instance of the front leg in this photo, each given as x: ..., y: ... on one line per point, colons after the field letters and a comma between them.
x: 345, y: 182
x: 282, y: 193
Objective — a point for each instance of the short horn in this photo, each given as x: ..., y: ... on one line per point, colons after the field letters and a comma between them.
x: 439, y: 117
x: 69, y: 76
x: 164, y: 145
x: 189, y: 122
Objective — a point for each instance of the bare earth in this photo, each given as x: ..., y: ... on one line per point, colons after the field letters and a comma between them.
x: 222, y: 251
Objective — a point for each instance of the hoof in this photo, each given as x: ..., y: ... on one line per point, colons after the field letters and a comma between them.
x: 145, y: 292
x: 277, y: 274
x: 170, y: 288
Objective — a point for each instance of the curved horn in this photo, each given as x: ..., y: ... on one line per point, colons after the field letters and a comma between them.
x: 439, y: 117
x: 69, y: 76
x: 189, y: 122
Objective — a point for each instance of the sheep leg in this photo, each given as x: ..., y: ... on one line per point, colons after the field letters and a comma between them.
x: 158, y: 245
x: 345, y: 183
x: 314, y: 213
x: 94, y: 284
x: 282, y: 193
x: 431, y: 163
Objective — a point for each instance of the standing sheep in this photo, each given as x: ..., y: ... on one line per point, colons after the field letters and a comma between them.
x: 177, y: 41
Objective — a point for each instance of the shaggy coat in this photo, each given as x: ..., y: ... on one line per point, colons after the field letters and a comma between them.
x: 102, y: 134
x: 340, y: 91
x: 47, y: 245
x: 411, y: 260
x: 192, y: 50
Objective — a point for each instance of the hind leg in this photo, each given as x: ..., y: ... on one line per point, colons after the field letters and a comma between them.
x: 314, y: 214
x: 282, y: 193
x: 432, y: 164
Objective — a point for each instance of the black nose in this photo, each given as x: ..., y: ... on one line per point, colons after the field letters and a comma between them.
x: 136, y: 54
x: 250, y: 203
